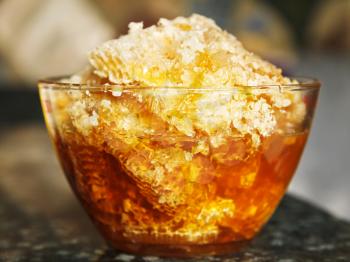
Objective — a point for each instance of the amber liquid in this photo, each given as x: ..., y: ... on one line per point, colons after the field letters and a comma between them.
x: 131, y: 216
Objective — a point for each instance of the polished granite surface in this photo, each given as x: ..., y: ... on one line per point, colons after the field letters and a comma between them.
x: 40, y: 220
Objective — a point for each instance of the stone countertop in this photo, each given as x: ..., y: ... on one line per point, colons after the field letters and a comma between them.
x: 40, y: 220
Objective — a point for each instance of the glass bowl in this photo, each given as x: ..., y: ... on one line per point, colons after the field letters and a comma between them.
x: 178, y: 171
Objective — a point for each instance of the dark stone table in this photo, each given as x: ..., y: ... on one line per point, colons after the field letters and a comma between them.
x: 40, y: 220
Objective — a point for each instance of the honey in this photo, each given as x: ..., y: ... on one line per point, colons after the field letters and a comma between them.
x: 229, y: 201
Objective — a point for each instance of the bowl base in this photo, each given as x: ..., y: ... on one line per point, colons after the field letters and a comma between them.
x: 180, y: 251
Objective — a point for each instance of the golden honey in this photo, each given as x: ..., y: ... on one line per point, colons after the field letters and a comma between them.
x: 228, y: 201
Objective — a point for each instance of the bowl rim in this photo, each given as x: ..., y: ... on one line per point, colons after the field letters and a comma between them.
x: 61, y: 83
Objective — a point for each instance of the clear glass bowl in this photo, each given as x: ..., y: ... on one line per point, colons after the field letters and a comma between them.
x: 178, y: 171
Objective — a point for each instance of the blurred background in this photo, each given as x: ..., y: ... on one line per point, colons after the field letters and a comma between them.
x: 41, y: 38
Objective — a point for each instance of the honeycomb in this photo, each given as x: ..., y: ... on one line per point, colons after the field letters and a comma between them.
x: 175, y: 146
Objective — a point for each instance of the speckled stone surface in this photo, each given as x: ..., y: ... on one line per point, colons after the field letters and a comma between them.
x: 40, y: 220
